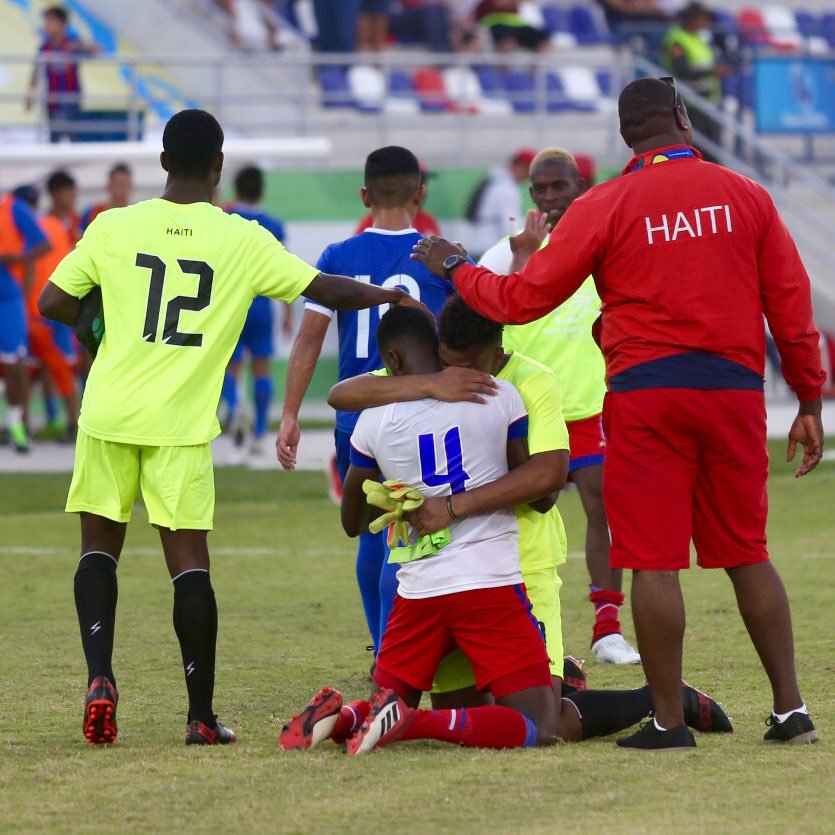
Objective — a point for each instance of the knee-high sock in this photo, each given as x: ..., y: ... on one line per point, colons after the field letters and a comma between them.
x: 263, y: 391
x: 475, y: 727
x: 370, y: 557
x: 604, y: 712
x: 606, y: 612
x: 350, y: 720
x: 195, y: 622
x: 96, y: 593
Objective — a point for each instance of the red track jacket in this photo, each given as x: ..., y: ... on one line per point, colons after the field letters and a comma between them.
x: 687, y: 257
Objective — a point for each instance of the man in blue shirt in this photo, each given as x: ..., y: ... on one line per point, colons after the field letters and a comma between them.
x: 22, y: 242
x: 380, y: 255
x: 257, y: 336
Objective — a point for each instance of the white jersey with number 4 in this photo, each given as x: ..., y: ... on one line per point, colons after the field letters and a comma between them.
x: 443, y: 449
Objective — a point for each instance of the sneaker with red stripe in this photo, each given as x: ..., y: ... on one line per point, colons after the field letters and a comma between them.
x: 704, y: 714
x: 99, y: 723
x: 314, y: 724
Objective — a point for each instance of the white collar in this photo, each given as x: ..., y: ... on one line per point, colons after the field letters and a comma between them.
x: 409, y: 231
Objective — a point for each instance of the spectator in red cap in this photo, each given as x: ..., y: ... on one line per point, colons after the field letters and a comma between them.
x: 586, y: 168
x: 496, y: 203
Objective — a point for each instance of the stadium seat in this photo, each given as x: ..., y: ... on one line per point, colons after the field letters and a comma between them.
x: 808, y: 24
x: 367, y: 87
x: 828, y: 28
x: 431, y: 90
x: 581, y: 88
x: 335, y: 90
x: 520, y: 88
x: 725, y: 22
x: 782, y: 27
x: 464, y: 88
x: 752, y: 27
x: 556, y: 20
x: 586, y: 27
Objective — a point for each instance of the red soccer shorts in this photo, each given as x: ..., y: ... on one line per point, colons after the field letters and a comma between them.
x: 686, y: 464
x: 494, y: 628
x: 42, y: 347
x: 587, y: 442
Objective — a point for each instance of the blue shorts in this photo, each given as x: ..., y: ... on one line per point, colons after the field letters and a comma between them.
x: 343, y: 451
x: 13, y: 334
x: 257, y: 335
x: 63, y: 338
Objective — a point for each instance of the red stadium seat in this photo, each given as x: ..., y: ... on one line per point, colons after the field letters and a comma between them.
x: 431, y: 90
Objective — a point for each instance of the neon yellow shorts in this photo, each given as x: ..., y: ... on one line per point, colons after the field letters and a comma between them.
x: 178, y: 482
x: 543, y: 587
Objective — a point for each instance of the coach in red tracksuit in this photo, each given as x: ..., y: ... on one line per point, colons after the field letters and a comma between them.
x: 687, y: 257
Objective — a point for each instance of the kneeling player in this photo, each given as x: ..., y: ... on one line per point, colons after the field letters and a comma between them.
x: 470, y: 594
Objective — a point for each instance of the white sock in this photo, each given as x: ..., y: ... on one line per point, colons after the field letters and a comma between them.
x: 781, y: 717
x: 658, y: 727
x: 14, y: 415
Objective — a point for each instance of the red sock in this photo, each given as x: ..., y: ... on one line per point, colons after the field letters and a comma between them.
x: 350, y: 719
x: 475, y: 727
x: 606, y: 607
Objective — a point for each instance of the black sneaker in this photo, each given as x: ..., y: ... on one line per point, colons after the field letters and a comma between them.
x: 798, y: 729
x: 703, y: 714
x: 649, y: 738
x: 573, y: 675
x: 199, y: 733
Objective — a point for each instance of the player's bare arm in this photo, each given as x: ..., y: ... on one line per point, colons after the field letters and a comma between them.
x: 539, y: 476
x: 452, y: 385
x: 58, y: 305
x: 433, y: 251
x: 356, y: 513
x: 341, y: 293
x: 518, y: 455
x: 807, y: 431
x: 303, y: 358
x: 529, y: 240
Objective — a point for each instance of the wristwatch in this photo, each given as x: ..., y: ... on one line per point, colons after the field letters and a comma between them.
x: 451, y: 263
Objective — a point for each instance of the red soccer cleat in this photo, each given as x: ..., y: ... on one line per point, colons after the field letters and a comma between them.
x: 314, y: 724
x: 387, y: 722
x: 100, y: 712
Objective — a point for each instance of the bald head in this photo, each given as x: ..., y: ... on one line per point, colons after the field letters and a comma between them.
x: 651, y: 112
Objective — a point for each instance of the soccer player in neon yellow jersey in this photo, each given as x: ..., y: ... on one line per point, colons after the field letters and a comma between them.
x: 177, y: 277
x: 563, y: 342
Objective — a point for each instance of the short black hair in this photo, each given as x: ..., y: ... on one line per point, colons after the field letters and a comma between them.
x: 249, y: 184
x: 59, y: 179
x: 58, y: 12
x: 407, y: 325
x: 120, y: 168
x: 646, y: 107
x: 192, y: 139
x: 392, y: 176
x: 461, y: 327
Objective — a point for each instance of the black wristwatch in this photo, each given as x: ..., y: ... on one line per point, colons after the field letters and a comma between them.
x: 451, y: 263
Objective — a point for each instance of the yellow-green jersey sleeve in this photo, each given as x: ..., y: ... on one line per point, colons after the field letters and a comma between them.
x: 78, y: 271
x: 380, y: 372
x: 273, y: 270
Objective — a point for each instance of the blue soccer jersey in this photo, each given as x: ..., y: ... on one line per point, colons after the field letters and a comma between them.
x: 380, y: 257
x: 257, y: 334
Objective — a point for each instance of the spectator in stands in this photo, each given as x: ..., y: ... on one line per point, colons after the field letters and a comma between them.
x: 119, y: 192
x: 424, y: 222
x: 690, y: 56
x: 508, y: 28
x: 336, y: 21
x: 426, y: 22
x: 373, y: 25
x: 496, y: 203
x: 63, y: 84
x: 634, y: 17
x: 586, y: 168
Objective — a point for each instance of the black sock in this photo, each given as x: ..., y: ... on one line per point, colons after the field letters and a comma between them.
x: 604, y: 712
x: 195, y: 622
x: 96, y: 592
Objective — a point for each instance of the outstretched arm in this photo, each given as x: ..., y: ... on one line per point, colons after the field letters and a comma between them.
x: 341, y: 293
x: 452, y: 385
x: 303, y: 358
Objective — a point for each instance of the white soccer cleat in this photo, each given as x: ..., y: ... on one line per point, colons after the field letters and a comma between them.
x: 615, y: 649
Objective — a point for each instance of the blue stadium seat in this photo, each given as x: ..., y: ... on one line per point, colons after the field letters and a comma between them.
x: 828, y: 28
x: 605, y: 82
x: 556, y: 19
x: 808, y: 24
x: 585, y: 27
x: 521, y: 92
x: 490, y: 80
x: 400, y: 84
x: 335, y: 89
x: 725, y: 22
x: 556, y: 100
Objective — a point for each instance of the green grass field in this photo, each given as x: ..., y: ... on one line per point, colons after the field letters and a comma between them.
x: 290, y: 622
